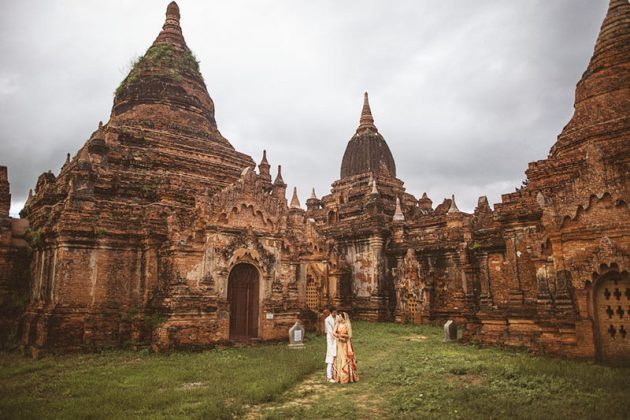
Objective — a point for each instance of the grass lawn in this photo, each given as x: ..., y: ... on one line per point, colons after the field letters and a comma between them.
x: 406, y: 372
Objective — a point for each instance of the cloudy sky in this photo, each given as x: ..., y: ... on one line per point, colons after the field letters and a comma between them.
x: 465, y: 92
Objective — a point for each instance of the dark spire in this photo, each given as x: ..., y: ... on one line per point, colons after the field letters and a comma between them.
x: 263, y: 161
x: 279, y: 180
x: 263, y: 168
x: 367, y: 150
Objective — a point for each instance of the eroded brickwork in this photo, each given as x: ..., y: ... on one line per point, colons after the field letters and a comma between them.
x: 158, y: 233
x: 13, y: 267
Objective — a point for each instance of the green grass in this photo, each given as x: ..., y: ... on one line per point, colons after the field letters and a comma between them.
x: 406, y: 372
x: 123, y: 384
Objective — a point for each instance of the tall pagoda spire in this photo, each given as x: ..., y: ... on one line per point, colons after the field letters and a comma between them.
x: 367, y: 121
x: 367, y: 150
x: 167, y: 77
x: 602, y: 114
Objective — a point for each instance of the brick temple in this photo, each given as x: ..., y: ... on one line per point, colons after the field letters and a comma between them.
x: 158, y: 233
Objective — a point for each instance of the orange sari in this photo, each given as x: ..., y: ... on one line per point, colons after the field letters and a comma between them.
x: 345, y: 364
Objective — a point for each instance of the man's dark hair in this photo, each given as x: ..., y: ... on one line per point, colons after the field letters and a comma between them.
x: 332, y: 309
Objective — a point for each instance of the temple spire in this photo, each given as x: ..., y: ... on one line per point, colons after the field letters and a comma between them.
x: 279, y: 180
x: 263, y: 161
x: 171, y: 30
x: 367, y: 121
x: 603, y: 87
x: 398, y: 214
x: 453, y: 208
x: 313, y: 195
x: 263, y: 168
x: 295, y: 201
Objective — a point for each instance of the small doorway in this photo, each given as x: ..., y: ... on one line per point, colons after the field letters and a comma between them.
x: 243, y: 297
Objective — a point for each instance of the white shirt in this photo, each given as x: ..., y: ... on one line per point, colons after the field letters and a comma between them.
x: 331, y: 344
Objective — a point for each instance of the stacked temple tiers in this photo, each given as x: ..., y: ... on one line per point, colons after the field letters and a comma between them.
x: 158, y: 233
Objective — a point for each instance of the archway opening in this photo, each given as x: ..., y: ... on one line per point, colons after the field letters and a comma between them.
x: 243, y: 287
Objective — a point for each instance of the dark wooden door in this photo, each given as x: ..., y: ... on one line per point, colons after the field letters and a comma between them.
x: 612, y: 303
x: 243, y: 297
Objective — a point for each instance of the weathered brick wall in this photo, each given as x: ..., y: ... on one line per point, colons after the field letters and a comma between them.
x: 14, y: 282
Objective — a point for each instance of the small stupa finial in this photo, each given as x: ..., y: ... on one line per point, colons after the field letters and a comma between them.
x: 453, y: 208
x: 398, y: 214
x: 172, y: 12
x: 374, y: 190
x: 295, y: 201
x: 366, y: 121
x: 171, y: 30
x: 264, y: 159
x: 313, y: 195
x: 279, y: 180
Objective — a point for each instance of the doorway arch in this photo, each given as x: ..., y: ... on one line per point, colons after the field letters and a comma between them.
x: 243, y: 288
x: 612, y: 308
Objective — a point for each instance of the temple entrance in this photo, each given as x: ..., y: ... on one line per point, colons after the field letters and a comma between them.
x: 243, y: 297
x: 612, y: 305
x: 312, y: 295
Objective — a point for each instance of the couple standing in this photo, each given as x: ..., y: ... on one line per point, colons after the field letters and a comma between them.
x: 341, y: 362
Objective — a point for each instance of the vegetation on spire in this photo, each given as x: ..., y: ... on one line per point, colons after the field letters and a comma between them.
x: 163, y: 59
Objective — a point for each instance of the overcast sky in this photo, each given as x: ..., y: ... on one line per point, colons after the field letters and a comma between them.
x: 466, y: 93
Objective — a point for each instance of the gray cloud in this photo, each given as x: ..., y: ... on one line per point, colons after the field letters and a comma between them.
x: 466, y: 93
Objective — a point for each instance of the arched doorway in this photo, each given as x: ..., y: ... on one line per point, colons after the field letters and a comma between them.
x: 243, y: 297
x: 612, y: 306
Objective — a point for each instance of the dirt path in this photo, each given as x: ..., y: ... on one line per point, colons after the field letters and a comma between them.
x: 316, y: 398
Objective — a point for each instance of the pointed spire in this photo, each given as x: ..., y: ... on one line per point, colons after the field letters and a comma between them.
x: 295, y: 201
x: 453, y: 208
x: 374, y: 190
x: 264, y: 159
x: 367, y: 121
x: 313, y: 195
x: 263, y: 169
x: 398, y: 214
x: 279, y: 180
x: 171, y: 31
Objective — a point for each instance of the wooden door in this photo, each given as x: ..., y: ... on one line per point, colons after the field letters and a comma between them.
x: 243, y: 297
x: 612, y: 303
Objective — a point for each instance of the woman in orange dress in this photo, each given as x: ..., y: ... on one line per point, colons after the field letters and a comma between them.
x: 345, y: 365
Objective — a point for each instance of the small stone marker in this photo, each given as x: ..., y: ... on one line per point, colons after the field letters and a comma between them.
x: 450, y: 331
x: 296, y: 336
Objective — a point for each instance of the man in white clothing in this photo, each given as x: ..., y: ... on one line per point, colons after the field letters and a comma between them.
x: 331, y: 344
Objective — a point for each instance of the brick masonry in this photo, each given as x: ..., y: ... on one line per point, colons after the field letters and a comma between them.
x: 137, y: 240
